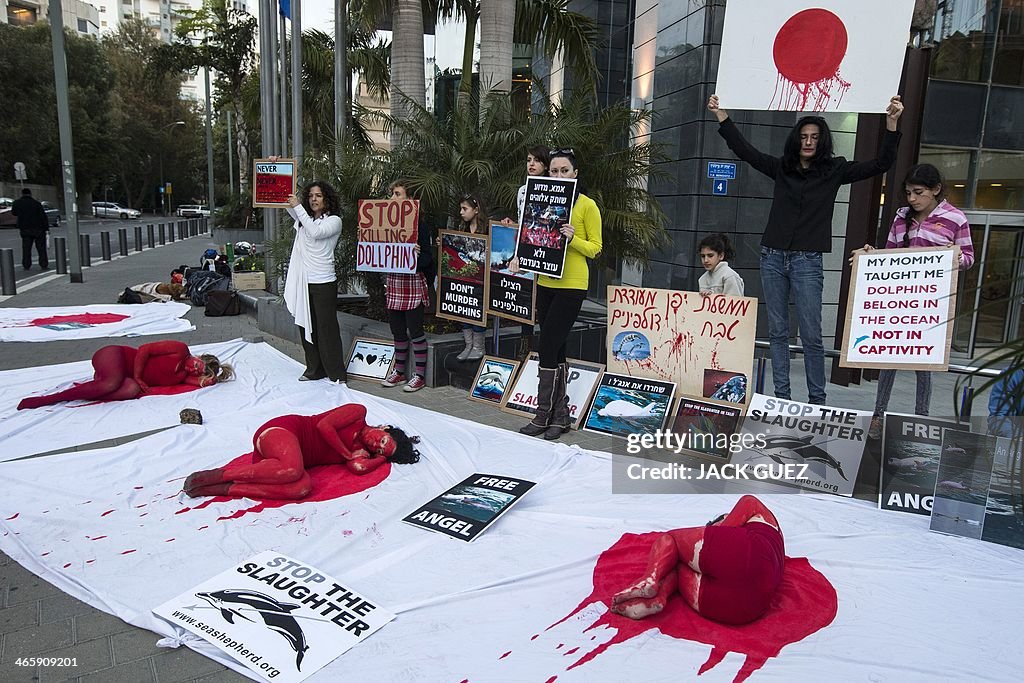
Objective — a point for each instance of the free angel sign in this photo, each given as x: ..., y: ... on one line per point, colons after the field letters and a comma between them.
x: 794, y: 55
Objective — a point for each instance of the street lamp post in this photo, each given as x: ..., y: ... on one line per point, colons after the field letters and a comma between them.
x: 163, y: 185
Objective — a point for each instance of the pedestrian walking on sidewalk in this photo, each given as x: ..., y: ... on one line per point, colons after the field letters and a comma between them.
x: 32, y: 224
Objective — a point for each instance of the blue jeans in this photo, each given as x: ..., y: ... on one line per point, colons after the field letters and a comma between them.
x: 799, y: 272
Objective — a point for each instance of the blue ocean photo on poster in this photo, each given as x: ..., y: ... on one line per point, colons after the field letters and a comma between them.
x: 493, y: 380
x: 631, y: 345
x: 474, y: 502
x: 622, y: 412
x: 503, y: 247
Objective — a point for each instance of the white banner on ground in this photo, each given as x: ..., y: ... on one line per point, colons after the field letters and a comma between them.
x: 280, y: 617
x: 836, y: 55
x: 91, y: 321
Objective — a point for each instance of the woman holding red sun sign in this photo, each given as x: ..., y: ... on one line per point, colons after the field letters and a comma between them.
x: 807, y: 179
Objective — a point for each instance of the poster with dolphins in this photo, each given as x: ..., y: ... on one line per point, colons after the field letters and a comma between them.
x: 978, y: 488
x: 826, y: 443
x: 911, y: 446
x: 493, y: 378
x: 705, y: 344
x: 281, y: 618
x: 626, y: 405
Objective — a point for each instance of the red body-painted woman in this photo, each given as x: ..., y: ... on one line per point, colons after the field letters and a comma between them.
x: 727, y: 571
x: 124, y: 372
x: 286, y: 447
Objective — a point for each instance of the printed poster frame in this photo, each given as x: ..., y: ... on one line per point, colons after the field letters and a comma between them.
x: 852, y: 301
x: 442, y: 279
x: 512, y: 379
x: 257, y: 202
x: 533, y: 361
x: 524, y: 276
x: 357, y: 343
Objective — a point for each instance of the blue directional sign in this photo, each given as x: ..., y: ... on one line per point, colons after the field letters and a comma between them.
x: 720, y: 187
x: 721, y: 170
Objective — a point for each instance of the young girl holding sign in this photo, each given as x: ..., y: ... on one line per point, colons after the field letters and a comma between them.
x: 559, y: 302
x: 928, y: 221
x: 406, y: 296
x: 475, y: 222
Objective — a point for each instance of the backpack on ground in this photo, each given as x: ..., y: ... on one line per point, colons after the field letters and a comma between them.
x: 222, y: 302
x: 199, y: 283
x: 129, y: 296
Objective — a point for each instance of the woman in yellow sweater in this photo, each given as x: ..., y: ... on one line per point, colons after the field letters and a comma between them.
x: 559, y: 302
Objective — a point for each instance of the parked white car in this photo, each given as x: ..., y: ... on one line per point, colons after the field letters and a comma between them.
x: 113, y: 210
x: 193, y: 211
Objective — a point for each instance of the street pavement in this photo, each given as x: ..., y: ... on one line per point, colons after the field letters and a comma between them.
x: 37, y: 619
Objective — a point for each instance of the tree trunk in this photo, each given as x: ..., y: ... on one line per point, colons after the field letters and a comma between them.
x: 241, y: 147
x: 408, y: 70
x: 497, y: 19
x: 466, y: 80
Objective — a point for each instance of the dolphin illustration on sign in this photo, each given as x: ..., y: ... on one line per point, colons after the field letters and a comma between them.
x: 627, y: 410
x: 276, y: 615
x: 779, y: 448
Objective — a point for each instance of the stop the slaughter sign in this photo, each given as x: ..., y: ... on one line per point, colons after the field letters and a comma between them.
x: 899, y: 314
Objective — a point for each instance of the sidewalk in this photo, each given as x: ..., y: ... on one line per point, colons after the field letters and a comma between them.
x: 37, y: 619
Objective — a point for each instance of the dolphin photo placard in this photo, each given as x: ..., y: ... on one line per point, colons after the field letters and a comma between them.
x: 281, y: 618
x: 625, y: 405
x: 493, y: 378
x: 371, y: 358
x: 826, y: 443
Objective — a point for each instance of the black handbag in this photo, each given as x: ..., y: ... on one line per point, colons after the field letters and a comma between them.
x: 220, y: 302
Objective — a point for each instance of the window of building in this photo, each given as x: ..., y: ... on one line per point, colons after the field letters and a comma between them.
x: 1001, y: 181
x: 965, y: 38
x: 83, y: 26
x: 20, y: 15
x: 1008, y: 68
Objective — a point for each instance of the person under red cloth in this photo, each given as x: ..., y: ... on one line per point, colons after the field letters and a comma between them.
x: 727, y: 571
x: 287, y: 446
x: 124, y: 372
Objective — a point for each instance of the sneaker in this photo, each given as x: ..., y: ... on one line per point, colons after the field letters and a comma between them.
x: 415, y: 384
x: 875, y: 430
x: 394, y: 379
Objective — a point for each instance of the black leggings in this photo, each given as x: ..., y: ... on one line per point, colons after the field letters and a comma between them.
x: 406, y: 325
x: 556, y: 312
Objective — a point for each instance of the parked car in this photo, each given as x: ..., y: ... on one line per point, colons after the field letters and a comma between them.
x: 52, y: 214
x: 113, y: 210
x: 9, y: 220
x: 193, y: 211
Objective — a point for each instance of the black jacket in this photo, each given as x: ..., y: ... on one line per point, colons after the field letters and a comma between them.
x: 425, y: 261
x: 804, y: 199
x: 32, y: 219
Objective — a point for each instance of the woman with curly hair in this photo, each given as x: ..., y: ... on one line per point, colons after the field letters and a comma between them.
x: 311, y: 288
x: 286, y: 447
x: 124, y: 372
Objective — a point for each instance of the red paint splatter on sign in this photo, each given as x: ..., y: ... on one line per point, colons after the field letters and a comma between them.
x: 805, y: 603
x: 808, y: 50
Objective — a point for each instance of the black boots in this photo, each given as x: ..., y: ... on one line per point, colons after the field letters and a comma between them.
x: 545, y: 399
x: 552, y: 418
x: 560, y: 422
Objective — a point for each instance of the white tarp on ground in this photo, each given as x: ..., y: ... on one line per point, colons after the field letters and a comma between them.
x: 110, y: 528
x: 262, y: 373
x: 55, y: 323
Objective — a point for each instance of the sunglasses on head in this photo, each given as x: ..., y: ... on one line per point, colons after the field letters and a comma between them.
x: 567, y: 150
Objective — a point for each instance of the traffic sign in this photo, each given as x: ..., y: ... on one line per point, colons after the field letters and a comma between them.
x: 720, y: 187
x: 722, y: 170
x: 19, y: 171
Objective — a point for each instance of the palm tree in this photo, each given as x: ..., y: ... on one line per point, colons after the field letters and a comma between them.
x: 408, y: 80
x: 497, y: 18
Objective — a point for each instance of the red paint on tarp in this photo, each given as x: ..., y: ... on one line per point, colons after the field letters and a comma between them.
x: 805, y: 603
